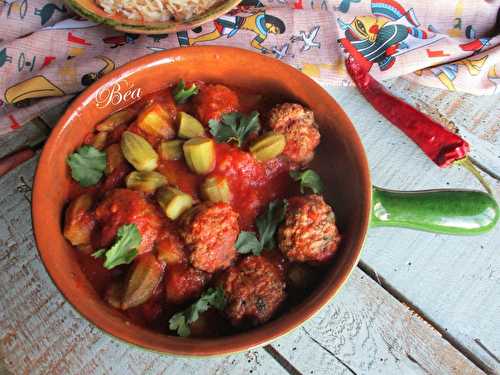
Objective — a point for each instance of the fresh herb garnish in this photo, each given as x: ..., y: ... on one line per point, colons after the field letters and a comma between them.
x: 234, y: 127
x: 87, y: 165
x: 308, y: 179
x: 124, y: 249
x: 182, y: 94
x: 181, y: 321
x: 269, y: 221
x: 99, y: 253
x: 247, y: 242
x: 267, y: 224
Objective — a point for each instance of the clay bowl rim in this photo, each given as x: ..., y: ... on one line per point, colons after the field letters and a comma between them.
x: 121, y: 23
x: 259, y: 336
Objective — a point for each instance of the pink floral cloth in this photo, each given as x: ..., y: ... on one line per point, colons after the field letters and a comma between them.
x: 47, y: 54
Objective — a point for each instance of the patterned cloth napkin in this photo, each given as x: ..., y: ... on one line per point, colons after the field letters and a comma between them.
x: 47, y: 54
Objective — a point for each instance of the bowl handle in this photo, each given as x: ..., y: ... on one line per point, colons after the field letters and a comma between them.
x: 463, y: 212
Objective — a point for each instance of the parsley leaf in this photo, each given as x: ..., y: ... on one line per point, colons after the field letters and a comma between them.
x: 87, y: 165
x: 99, y: 253
x: 178, y: 323
x: 181, y: 94
x: 267, y: 224
x: 247, y: 242
x: 124, y: 249
x: 234, y: 127
x: 181, y: 321
x: 308, y: 179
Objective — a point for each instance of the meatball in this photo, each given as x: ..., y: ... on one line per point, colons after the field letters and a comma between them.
x: 184, y: 283
x: 309, y: 233
x: 209, y: 231
x: 254, y: 289
x: 297, y: 125
x: 213, y: 101
x: 123, y: 206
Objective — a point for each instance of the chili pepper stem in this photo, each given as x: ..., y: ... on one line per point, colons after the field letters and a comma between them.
x: 467, y: 164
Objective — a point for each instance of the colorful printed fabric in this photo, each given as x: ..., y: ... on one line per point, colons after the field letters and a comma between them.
x: 47, y: 54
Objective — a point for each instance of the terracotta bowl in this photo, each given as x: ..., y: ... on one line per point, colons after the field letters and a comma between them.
x: 90, y: 10
x: 340, y: 160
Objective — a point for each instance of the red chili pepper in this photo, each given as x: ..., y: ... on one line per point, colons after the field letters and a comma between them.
x: 441, y: 145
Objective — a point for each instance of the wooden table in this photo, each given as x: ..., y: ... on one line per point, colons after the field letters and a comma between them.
x: 418, y: 302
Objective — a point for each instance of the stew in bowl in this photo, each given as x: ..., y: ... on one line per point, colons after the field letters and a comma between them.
x: 206, y: 210
x: 194, y: 210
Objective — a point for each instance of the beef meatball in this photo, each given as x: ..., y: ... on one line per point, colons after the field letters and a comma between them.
x: 254, y: 289
x: 213, y: 101
x: 209, y: 231
x: 124, y: 206
x: 297, y: 125
x: 309, y: 233
x: 184, y: 283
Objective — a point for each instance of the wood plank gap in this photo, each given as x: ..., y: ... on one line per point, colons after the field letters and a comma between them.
x: 370, y: 272
x: 328, y: 351
x: 490, y: 353
x: 417, y: 363
x: 281, y: 360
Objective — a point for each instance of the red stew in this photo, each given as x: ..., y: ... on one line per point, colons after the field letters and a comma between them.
x: 255, y: 286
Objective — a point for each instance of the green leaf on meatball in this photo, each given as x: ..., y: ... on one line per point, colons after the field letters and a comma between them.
x: 234, y: 127
x: 182, y: 94
x: 308, y: 179
x: 268, y: 223
x: 124, y: 250
x: 247, y: 242
x: 181, y: 322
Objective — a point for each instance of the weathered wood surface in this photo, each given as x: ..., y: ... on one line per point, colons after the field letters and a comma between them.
x: 453, y: 281
x: 364, y: 330
x: 371, y: 332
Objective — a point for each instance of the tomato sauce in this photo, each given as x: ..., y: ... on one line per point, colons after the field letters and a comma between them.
x: 253, y: 184
x: 178, y: 173
x: 99, y: 277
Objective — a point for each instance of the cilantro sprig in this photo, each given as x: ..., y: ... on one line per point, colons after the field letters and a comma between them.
x: 234, y: 127
x: 124, y: 250
x: 267, y: 224
x: 182, y: 94
x: 308, y: 179
x: 247, y: 242
x: 181, y: 322
x: 87, y: 165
